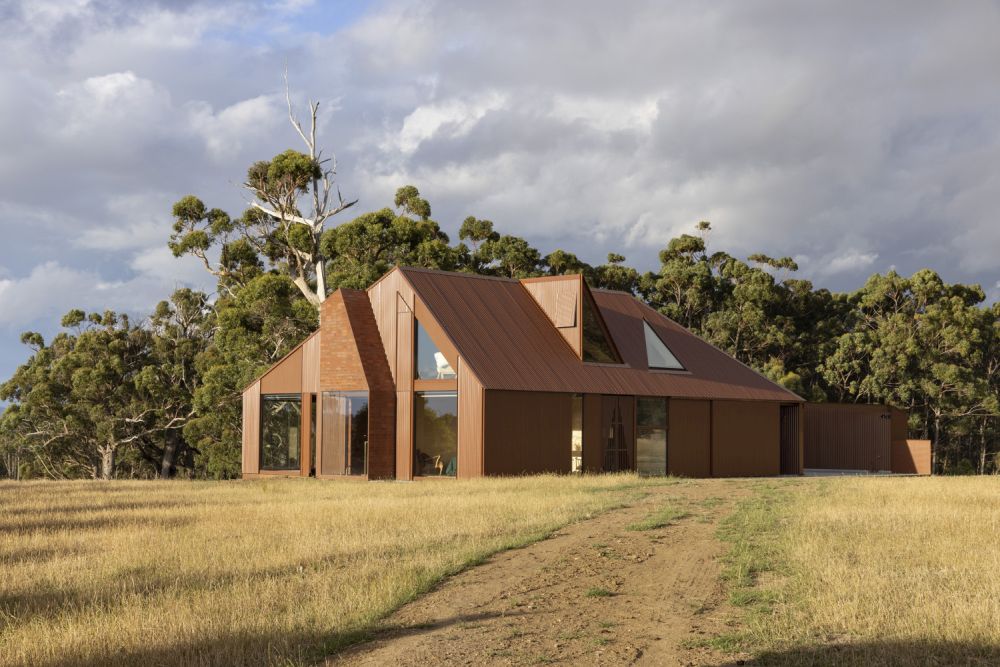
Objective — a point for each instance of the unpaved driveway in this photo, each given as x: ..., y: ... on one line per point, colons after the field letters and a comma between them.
x: 548, y: 602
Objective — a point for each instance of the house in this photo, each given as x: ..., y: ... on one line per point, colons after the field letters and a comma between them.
x: 431, y: 374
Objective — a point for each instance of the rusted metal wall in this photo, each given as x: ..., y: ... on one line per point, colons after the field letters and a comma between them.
x: 385, y: 296
x: 402, y: 352
x: 251, y: 429
x: 285, y: 377
x: 845, y: 436
x: 470, y: 423
x: 560, y: 298
x: 791, y: 440
x: 746, y: 439
x: 310, y: 363
x: 526, y: 432
x: 689, y: 438
x: 899, y: 427
x: 911, y: 457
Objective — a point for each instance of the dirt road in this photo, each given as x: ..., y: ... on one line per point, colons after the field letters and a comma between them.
x: 595, y: 593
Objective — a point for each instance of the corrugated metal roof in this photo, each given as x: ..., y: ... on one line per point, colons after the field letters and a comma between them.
x: 509, y: 343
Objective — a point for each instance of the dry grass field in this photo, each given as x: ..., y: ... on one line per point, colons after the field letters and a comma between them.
x: 858, y: 571
x: 264, y: 572
x: 869, y: 571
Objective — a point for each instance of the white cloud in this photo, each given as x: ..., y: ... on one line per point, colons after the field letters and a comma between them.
x: 225, y: 133
x: 453, y: 118
x: 848, y: 261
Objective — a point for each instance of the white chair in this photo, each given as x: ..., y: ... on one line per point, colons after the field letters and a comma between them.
x: 444, y: 369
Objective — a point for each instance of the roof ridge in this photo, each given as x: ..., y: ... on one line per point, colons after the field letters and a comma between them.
x: 457, y: 274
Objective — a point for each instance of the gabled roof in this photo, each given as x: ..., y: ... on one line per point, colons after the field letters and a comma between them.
x: 510, y: 343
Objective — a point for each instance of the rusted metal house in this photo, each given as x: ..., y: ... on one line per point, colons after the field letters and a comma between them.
x: 430, y: 374
x: 850, y: 437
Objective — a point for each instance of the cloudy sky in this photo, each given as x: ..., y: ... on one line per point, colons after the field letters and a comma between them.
x: 853, y: 136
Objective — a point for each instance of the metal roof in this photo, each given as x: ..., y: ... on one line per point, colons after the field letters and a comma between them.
x: 509, y: 343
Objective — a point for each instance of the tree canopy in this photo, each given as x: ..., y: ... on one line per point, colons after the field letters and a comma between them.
x: 109, y: 397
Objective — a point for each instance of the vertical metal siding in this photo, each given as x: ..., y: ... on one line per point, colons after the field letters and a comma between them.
x: 791, y: 440
x: 847, y: 437
x: 745, y: 439
x: 526, y: 432
x: 251, y: 429
x: 689, y: 438
x: 470, y: 423
x: 310, y: 363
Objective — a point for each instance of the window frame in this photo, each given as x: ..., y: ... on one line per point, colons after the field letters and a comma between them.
x: 443, y: 392
x: 660, y: 369
x: 286, y: 397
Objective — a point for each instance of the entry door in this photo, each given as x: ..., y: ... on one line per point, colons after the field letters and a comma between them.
x: 618, y: 433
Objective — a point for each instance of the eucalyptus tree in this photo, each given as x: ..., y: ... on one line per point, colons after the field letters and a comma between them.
x: 293, y: 195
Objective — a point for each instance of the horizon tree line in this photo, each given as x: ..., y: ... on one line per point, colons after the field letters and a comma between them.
x: 108, y: 397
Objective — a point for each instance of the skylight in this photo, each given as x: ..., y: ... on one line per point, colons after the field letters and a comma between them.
x: 659, y: 355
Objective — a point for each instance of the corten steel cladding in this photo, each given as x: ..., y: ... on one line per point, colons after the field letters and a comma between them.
x: 527, y: 432
x: 510, y: 343
x: 689, y: 438
x: 745, y: 439
x: 843, y: 436
x: 911, y: 457
x: 791, y: 440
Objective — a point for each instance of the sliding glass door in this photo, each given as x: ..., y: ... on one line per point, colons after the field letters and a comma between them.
x: 345, y: 433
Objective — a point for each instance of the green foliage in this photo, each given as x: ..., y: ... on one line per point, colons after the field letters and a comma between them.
x: 163, y: 397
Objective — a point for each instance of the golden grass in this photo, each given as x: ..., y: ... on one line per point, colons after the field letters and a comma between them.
x: 878, y: 571
x: 262, y: 572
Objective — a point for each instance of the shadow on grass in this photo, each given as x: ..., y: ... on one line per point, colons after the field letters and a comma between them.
x: 264, y: 648
x: 91, y: 508
x: 95, y: 523
x: 882, y: 654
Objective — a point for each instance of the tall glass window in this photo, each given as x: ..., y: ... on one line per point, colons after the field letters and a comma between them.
x: 312, y: 434
x: 345, y: 433
x: 576, y: 435
x: 431, y: 363
x: 651, y: 436
x: 596, y: 346
x: 280, y: 425
x: 435, y: 434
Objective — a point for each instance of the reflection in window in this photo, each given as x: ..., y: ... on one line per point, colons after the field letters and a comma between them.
x: 658, y: 355
x: 345, y: 433
x: 651, y: 436
x: 596, y: 346
x: 431, y: 363
x: 576, y: 438
x: 312, y: 434
x: 280, y: 423
x: 435, y: 434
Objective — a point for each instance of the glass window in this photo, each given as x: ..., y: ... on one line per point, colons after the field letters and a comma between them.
x: 596, y: 346
x: 431, y: 364
x: 651, y: 436
x: 576, y: 437
x: 280, y: 423
x: 658, y: 355
x: 312, y: 434
x: 345, y: 433
x: 435, y: 434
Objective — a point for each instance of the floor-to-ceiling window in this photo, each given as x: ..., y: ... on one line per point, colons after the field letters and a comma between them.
x: 431, y: 363
x: 280, y: 426
x: 576, y: 435
x: 345, y: 432
x: 435, y: 433
x: 651, y: 436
